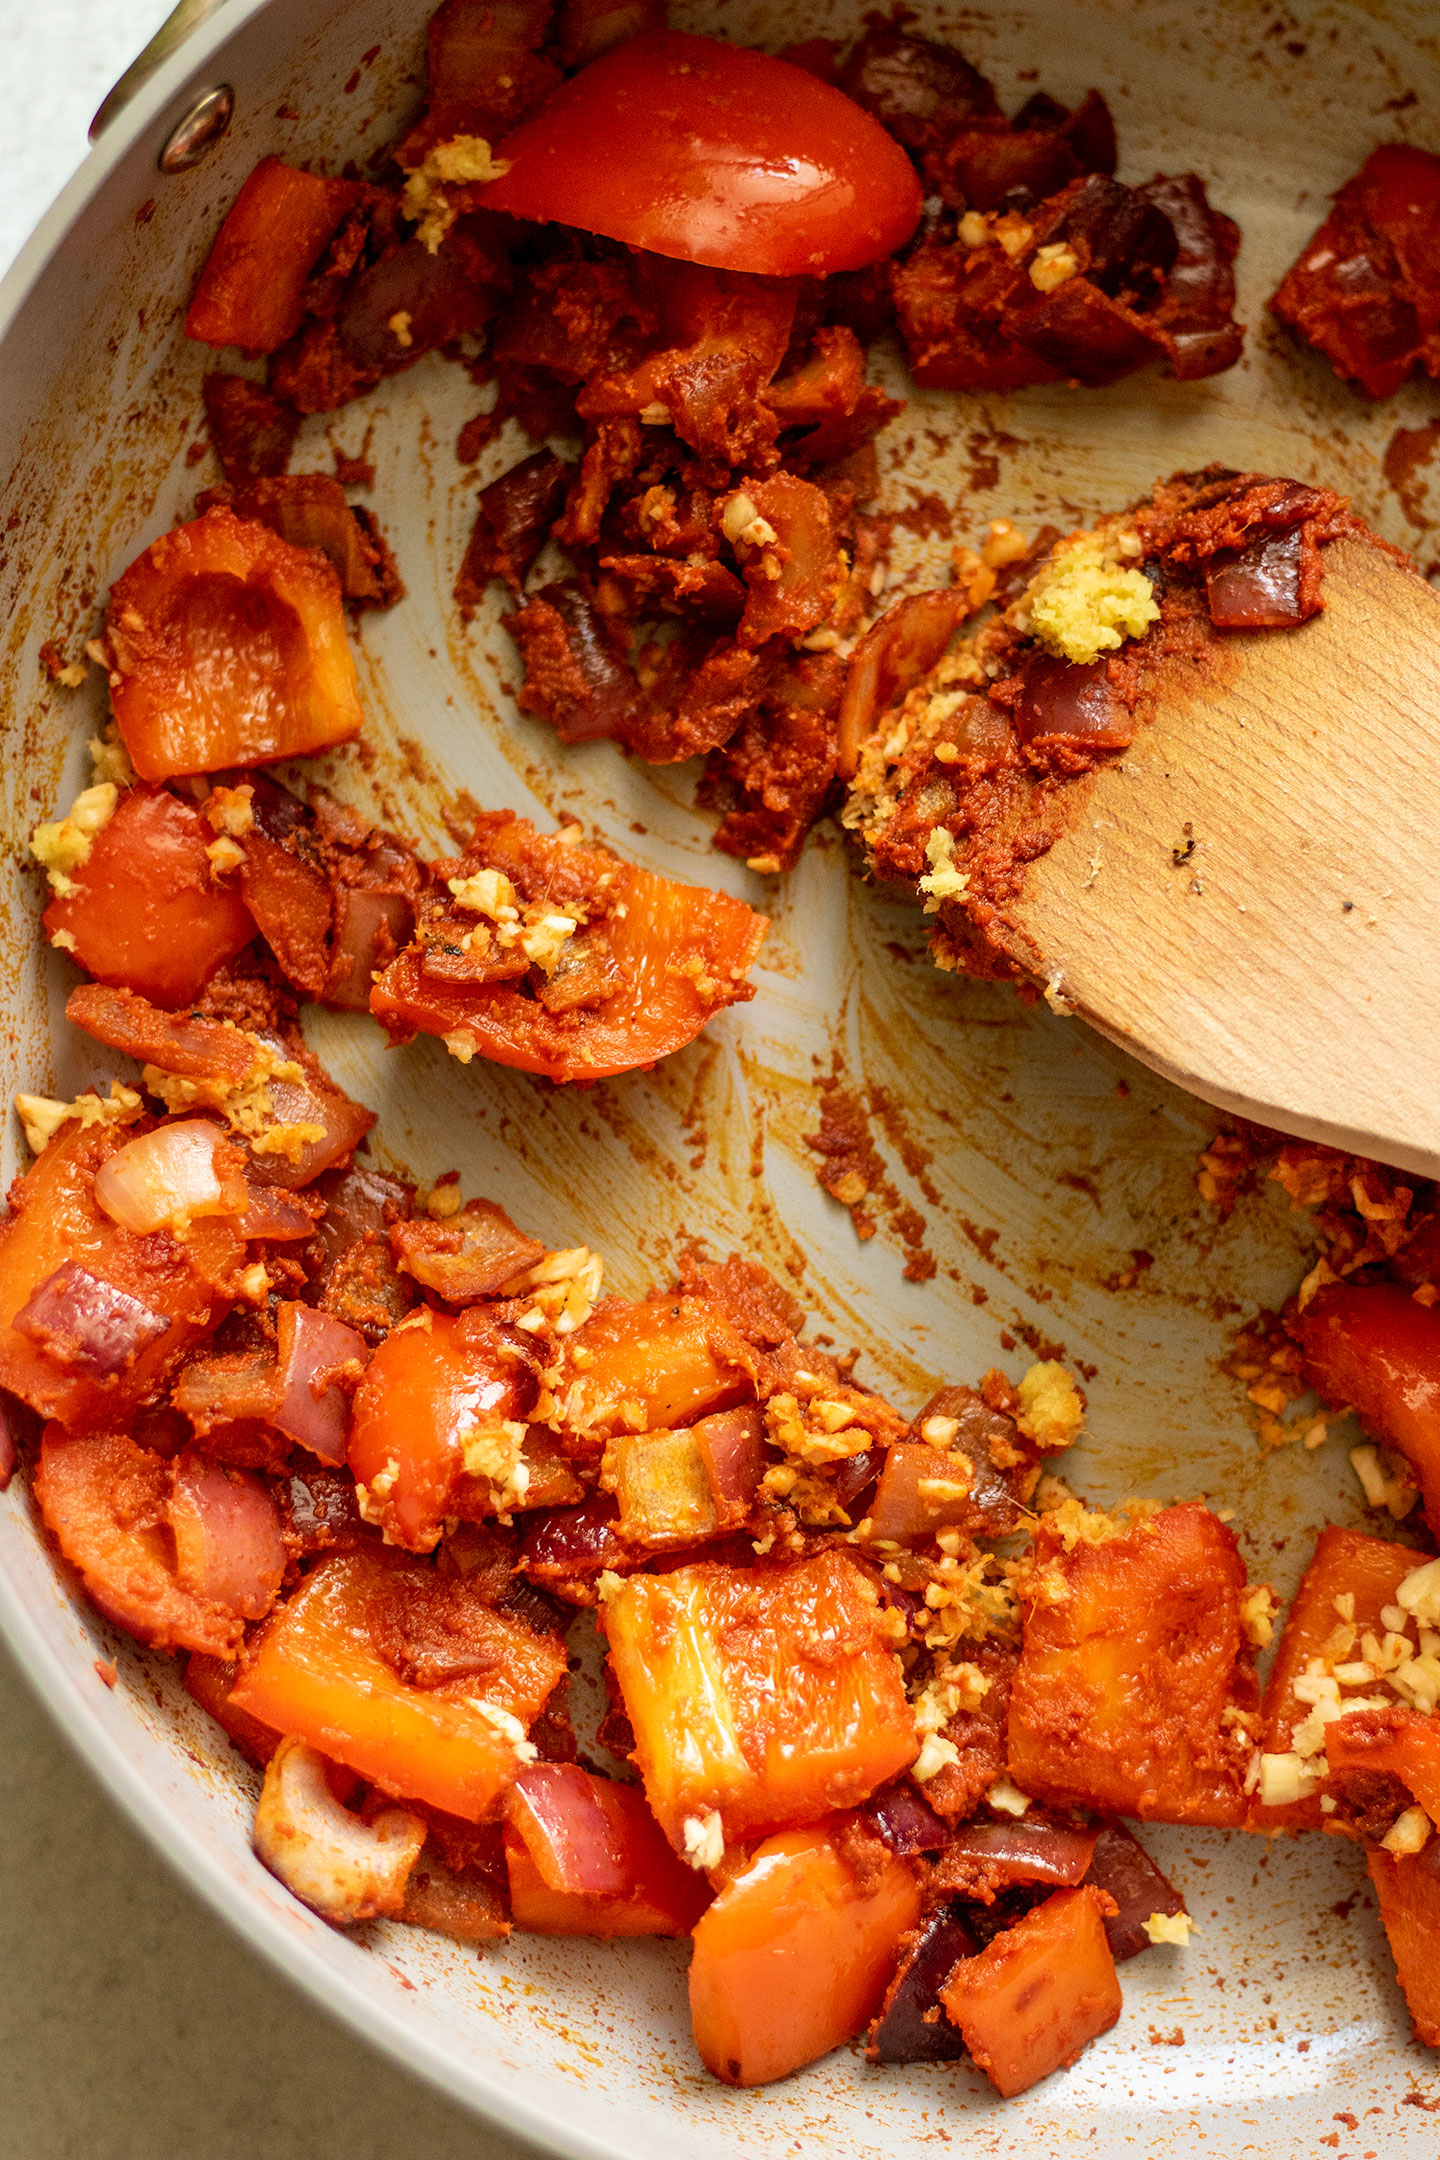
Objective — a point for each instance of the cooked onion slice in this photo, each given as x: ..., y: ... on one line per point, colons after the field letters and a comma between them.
x: 85, y: 1324
x: 170, y: 1175
x: 316, y: 1352
x: 342, y: 1867
x: 228, y: 1541
x: 570, y: 1837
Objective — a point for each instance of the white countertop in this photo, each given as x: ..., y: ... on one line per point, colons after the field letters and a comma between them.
x: 133, y: 2025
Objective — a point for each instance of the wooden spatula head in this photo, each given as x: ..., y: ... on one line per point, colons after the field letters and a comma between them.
x: 1247, y: 902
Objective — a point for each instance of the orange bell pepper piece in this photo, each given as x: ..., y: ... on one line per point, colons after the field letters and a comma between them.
x: 1409, y: 1894
x: 146, y: 911
x: 766, y: 1696
x: 1038, y: 1993
x: 317, y: 1672
x: 1345, y: 1563
x: 1124, y: 1679
x: 229, y: 648
x: 682, y: 953
x: 1400, y: 1742
x: 433, y: 1382
x: 249, y: 290
x: 663, y: 1362
x: 1370, y: 1348
x: 793, y: 1957
x: 55, y: 1218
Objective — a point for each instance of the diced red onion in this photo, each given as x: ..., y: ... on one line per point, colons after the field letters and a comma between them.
x: 228, y: 1536
x: 900, y: 1510
x: 1259, y: 588
x: 1126, y: 238
x: 1066, y: 697
x: 570, y: 1836
x: 215, y: 1390
x: 167, y: 1175
x: 907, y: 1822
x: 321, y: 1511
x: 576, y: 1539
x: 313, y: 1410
x: 343, y: 1124
x: 80, y: 1322
x: 1027, y: 1852
x: 912, y: 2025
x: 892, y: 656
x: 273, y: 1216
x: 731, y: 1447
x: 370, y: 929
x: 1122, y: 1867
x: 611, y: 702
x: 850, y: 1478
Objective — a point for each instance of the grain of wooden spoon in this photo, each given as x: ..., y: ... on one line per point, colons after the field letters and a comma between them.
x: 1247, y: 902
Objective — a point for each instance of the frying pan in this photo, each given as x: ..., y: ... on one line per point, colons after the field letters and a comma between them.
x: 1040, y: 1188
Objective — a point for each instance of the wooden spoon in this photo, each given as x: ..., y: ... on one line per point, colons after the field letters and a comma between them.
x: 1248, y: 901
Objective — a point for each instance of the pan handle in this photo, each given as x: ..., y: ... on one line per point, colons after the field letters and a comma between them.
x: 171, y: 35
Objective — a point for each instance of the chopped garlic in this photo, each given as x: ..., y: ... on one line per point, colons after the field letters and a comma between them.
x: 1165, y: 1927
x: 231, y: 810
x: 740, y: 521
x: 704, y: 1840
x: 936, y: 1754
x: 543, y: 942
x: 1052, y: 1409
x: 1409, y: 1833
x: 1258, y: 1608
x: 939, y: 1492
x: 565, y: 1285
x: 41, y: 1116
x: 65, y: 844
x: 506, y: 1723
x: 1053, y: 266
x: 246, y: 1105
x: 465, y: 160
x: 1418, y: 1682
x: 224, y: 855
x: 254, y: 1282
x: 608, y: 1584
x: 1419, y: 1594
x: 1382, y: 1488
x: 1006, y: 1798
x: 1284, y: 1779
x: 109, y: 759
x: 495, y: 1450
x: 443, y: 1201
x: 944, y: 881
x: 487, y: 892
x: 1083, y: 600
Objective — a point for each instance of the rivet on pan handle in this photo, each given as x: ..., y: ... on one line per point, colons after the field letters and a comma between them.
x: 171, y: 35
